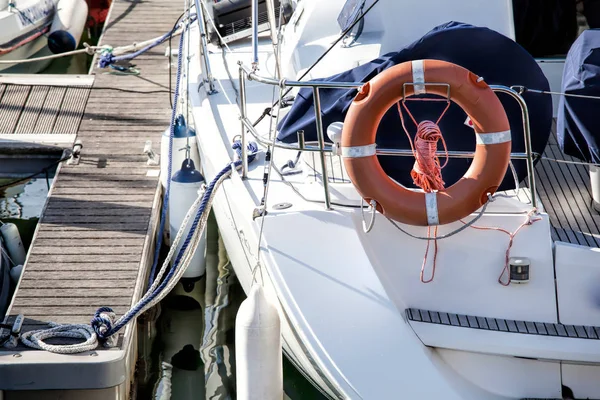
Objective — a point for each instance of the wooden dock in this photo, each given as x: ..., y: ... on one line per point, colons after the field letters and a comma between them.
x: 95, y: 241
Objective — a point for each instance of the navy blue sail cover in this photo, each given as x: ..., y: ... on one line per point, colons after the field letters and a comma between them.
x: 498, y: 59
x: 578, y: 128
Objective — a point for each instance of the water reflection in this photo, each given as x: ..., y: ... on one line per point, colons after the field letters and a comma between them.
x: 195, y: 338
x: 193, y: 355
x: 23, y: 200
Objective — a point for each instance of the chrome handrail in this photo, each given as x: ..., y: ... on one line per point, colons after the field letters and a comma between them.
x: 322, y: 148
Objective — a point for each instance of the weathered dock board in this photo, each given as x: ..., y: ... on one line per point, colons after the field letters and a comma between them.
x: 95, y: 240
x: 46, y: 109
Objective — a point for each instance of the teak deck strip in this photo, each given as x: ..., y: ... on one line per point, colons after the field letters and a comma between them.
x: 565, y: 192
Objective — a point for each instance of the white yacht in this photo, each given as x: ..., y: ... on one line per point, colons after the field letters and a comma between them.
x: 500, y: 300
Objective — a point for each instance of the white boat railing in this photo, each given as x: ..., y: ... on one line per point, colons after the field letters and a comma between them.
x: 322, y: 148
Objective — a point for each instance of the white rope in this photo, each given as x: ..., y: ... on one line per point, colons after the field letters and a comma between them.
x: 136, y: 46
x: 581, y: 96
x: 570, y: 161
x: 36, y: 339
x: 53, y: 56
x: 91, y: 50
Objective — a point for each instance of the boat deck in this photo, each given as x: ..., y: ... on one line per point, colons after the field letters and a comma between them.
x: 565, y: 192
x: 94, y: 243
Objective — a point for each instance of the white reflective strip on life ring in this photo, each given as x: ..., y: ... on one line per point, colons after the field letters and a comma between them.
x: 418, y: 72
x: 432, y: 208
x: 493, y: 138
x: 359, y: 151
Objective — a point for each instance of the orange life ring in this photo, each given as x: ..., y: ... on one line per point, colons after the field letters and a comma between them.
x: 492, y: 153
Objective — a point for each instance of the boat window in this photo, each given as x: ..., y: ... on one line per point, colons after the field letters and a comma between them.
x: 548, y: 28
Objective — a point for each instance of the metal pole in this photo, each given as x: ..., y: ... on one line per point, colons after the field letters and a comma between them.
x: 300, y: 135
x: 204, y: 48
x: 319, y: 122
x: 254, y: 34
x: 527, y: 135
x: 243, y: 117
x: 274, y: 38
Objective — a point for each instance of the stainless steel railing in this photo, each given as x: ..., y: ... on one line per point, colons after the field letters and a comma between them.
x: 322, y: 148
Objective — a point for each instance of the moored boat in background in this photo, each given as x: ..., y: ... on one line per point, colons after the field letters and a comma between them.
x: 37, y: 29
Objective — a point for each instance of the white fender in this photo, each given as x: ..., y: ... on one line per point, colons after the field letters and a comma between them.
x: 13, y: 243
x: 258, y: 356
x: 185, y: 186
x: 67, y: 25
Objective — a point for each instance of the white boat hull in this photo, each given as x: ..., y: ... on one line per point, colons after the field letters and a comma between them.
x: 343, y: 295
x: 24, y: 33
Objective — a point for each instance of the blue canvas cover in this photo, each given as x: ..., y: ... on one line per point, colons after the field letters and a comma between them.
x: 578, y: 128
x: 485, y: 52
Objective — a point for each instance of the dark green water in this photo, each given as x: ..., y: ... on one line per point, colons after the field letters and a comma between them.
x: 193, y: 333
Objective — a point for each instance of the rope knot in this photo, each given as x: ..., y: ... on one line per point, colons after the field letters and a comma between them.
x: 251, y: 146
x: 103, y: 321
x: 106, y: 59
x: 427, y: 170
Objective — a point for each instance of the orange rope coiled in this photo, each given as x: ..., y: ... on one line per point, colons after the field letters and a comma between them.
x: 427, y: 171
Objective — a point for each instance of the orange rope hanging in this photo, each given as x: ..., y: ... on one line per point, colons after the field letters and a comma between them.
x: 427, y: 170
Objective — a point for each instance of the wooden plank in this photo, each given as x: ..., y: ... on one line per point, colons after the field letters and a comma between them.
x: 72, y: 302
x: 87, y: 211
x: 11, y: 107
x: 88, y: 250
x: 52, y: 311
x: 65, y: 204
x: 89, y: 176
x: 106, y: 191
x: 88, y: 266
x: 47, y: 118
x: 100, y: 293
x: 107, y: 198
x: 87, y: 284
x: 32, y: 109
x: 82, y: 275
x: 71, y: 110
x: 109, y: 171
x: 87, y: 233
x: 83, y: 220
x: 113, y: 227
x: 101, y: 184
x: 68, y: 242
x: 60, y: 258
